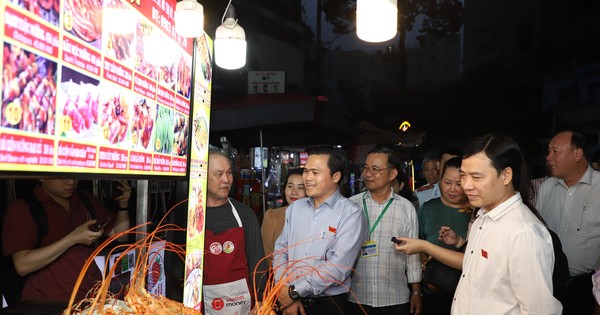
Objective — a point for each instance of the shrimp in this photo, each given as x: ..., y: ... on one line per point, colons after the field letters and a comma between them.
x: 137, y: 299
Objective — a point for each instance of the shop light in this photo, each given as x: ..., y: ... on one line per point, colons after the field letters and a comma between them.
x: 189, y: 18
x: 230, y: 42
x: 376, y: 20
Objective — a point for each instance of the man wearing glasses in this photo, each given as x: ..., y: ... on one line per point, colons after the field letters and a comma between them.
x: 380, y: 281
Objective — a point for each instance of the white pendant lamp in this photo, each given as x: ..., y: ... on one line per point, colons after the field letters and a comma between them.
x: 230, y: 42
x: 376, y: 20
x: 189, y: 18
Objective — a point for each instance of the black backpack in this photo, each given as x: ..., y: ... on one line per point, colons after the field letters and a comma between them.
x: 560, y: 274
x: 11, y: 282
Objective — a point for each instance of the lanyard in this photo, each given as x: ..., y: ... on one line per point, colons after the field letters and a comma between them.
x: 380, y: 215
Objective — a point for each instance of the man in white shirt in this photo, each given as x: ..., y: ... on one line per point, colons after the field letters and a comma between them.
x: 569, y: 202
x: 431, y: 172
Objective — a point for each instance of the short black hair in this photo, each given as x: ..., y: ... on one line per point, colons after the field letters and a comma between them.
x: 336, y: 161
x: 392, y: 159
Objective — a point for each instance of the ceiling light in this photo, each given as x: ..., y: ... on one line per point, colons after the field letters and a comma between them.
x: 376, y: 20
x: 189, y: 18
x: 230, y: 42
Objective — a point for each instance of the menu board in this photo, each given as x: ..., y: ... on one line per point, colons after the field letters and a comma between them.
x: 192, y: 290
x: 94, y: 86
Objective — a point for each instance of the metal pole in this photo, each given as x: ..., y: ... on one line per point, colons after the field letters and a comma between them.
x: 262, y: 176
x: 141, y: 215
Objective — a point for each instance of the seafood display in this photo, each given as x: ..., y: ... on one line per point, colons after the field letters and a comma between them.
x: 137, y: 298
x: 142, y: 123
x: 28, y: 91
x: 114, y: 116
x: 164, y: 134
x: 84, y: 19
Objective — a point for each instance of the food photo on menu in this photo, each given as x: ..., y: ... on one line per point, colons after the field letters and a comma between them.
x: 116, y: 107
x: 204, y: 60
x: 144, y: 29
x: 200, y: 130
x: 156, y: 54
x: 119, y: 31
x: 142, y: 123
x: 78, y: 106
x: 184, y: 74
x: 83, y: 18
x: 28, y: 91
x: 180, y: 145
x: 195, y: 221
x: 48, y: 10
x: 164, y: 134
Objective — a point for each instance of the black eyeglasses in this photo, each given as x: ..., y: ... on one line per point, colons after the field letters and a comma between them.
x: 374, y: 170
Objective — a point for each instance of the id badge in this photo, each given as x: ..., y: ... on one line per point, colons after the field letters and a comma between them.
x: 369, y: 249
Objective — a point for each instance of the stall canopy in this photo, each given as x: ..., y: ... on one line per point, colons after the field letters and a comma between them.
x: 371, y: 134
x: 261, y: 110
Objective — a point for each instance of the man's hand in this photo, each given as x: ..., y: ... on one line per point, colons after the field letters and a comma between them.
x: 294, y: 309
x: 416, y: 304
x: 448, y: 236
x: 125, y: 188
x: 410, y: 246
x: 284, y: 297
x: 83, y: 235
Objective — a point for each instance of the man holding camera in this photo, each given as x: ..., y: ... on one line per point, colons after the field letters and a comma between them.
x: 73, y: 222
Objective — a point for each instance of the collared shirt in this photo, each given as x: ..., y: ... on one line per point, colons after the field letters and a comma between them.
x: 382, y: 280
x: 428, y: 192
x: 508, y: 263
x: 318, y: 247
x: 574, y: 214
x: 55, y: 281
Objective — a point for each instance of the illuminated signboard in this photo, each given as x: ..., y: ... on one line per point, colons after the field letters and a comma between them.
x: 94, y: 86
x: 192, y: 290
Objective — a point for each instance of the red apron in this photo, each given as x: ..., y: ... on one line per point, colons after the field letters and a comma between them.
x: 226, y: 289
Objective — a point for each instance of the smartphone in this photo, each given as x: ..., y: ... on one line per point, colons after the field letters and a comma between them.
x: 99, y: 226
x: 397, y: 241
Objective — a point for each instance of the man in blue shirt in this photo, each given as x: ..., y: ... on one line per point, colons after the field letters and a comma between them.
x: 320, y: 242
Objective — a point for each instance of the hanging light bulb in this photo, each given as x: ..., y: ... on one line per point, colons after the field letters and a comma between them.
x: 189, y: 18
x: 230, y: 42
x: 376, y: 20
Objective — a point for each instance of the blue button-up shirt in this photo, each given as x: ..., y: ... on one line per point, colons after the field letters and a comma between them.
x: 318, y: 247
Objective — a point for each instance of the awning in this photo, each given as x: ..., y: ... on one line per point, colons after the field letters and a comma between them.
x: 371, y: 134
x: 262, y: 110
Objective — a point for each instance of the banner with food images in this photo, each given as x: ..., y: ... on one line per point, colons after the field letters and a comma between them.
x: 94, y: 86
x: 199, y: 121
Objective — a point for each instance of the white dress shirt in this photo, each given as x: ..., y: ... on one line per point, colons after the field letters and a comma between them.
x: 574, y: 214
x: 508, y: 263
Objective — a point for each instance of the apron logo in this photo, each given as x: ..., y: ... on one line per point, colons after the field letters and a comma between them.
x: 217, y: 304
x: 228, y: 247
x: 216, y: 248
x: 235, y: 301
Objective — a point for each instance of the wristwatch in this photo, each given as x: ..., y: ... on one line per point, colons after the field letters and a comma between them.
x: 293, y: 293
